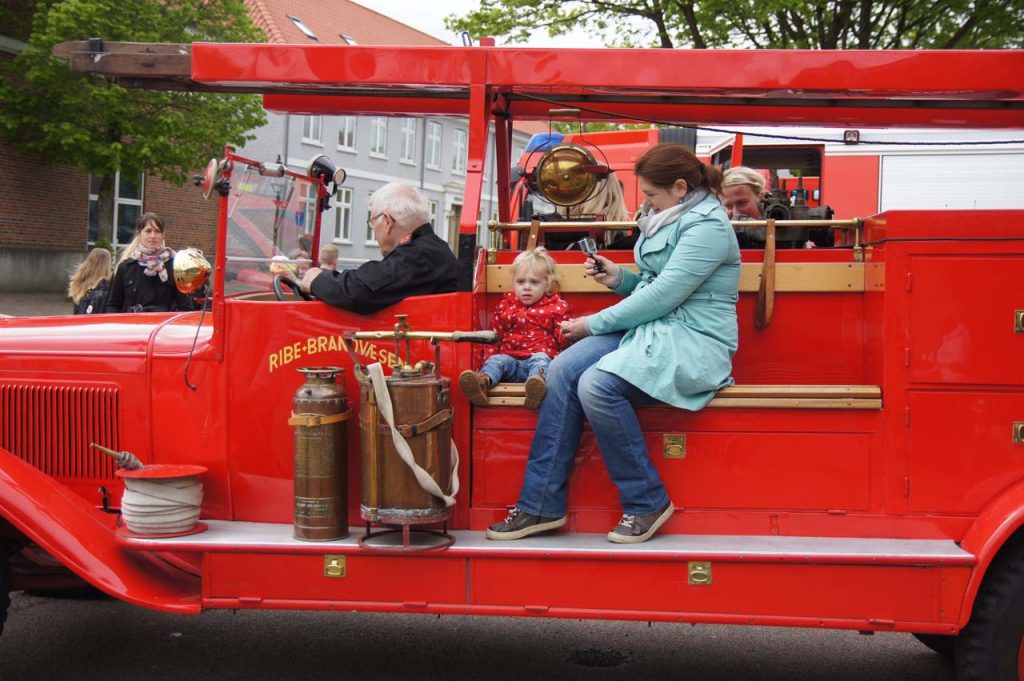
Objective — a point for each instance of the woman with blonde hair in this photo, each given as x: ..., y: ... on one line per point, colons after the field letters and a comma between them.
x: 607, y: 201
x: 144, y: 280
x: 90, y: 282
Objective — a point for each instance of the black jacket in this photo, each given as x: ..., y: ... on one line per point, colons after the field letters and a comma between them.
x: 95, y: 299
x: 133, y: 291
x: 421, y: 266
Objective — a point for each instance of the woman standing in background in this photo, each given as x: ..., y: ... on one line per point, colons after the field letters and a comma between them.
x: 90, y: 282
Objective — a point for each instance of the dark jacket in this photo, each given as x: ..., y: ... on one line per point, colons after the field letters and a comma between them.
x: 95, y: 299
x: 133, y: 291
x: 420, y: 266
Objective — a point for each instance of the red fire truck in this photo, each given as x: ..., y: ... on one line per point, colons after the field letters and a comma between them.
x: 865, y: 472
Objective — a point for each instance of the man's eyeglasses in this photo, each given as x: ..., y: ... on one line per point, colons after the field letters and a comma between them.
x: 369, y: 223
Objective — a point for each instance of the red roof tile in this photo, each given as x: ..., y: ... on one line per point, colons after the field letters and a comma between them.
x: 328, y: 20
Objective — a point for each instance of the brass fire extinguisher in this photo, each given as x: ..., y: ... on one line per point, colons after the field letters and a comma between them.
x: 319, y: 414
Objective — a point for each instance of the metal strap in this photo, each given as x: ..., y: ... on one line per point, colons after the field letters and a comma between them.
x: 314, y: 420
x: 413, y: 429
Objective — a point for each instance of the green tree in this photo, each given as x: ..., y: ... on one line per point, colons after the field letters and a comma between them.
x: 783, y: 24
x: 91, y: 122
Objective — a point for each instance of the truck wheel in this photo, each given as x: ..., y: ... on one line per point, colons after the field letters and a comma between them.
x: 945, y: 646
x: 991, y: 646
x: 5, y: 597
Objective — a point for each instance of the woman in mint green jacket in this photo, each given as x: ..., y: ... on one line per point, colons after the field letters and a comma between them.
x: 670, y: 340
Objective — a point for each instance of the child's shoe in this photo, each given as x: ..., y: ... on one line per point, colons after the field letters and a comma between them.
x: 536, y: 388
x: 475, y: 385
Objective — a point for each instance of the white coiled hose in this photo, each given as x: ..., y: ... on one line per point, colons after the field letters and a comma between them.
x: 161, y: 506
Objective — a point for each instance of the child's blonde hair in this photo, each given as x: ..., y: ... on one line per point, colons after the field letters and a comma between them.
x: 89, y: 273
x: 538, y: 262
x: 329, y: 255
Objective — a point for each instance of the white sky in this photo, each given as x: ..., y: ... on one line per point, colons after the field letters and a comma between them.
x: 429, y: 18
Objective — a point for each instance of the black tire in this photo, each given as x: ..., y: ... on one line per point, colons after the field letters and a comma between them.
x: 945, y: 646
x: 5, y: 597
x: 989, y: 647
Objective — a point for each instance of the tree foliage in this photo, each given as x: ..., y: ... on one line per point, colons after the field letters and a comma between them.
x: 782, y: 24
x: 91, y: 122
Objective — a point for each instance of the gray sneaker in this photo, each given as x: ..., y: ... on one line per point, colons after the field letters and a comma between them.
x: 633, y: 529
x: 519, y: 524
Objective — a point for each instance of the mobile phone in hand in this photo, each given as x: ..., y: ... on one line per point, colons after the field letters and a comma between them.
x: 589, y: 247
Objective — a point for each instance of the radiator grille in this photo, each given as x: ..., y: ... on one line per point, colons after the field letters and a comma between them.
x: 51, y: 426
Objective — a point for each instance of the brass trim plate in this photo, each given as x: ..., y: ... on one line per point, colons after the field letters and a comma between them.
x: 1018, y: 321
x: 334, y: 566
x: 698, y: 573
x: 1018, y: 432
x: 674, y: 445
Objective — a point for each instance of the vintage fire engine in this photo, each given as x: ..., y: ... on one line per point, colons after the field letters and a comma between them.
x: 865, y: 472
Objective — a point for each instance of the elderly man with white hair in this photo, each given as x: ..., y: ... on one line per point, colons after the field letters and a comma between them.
x: 416, y: 262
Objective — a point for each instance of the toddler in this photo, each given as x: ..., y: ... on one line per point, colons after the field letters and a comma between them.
x: 528, y: 320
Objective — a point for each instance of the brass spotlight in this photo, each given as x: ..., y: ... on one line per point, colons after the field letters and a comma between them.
x: 191, y: 270
x: 567, y: 174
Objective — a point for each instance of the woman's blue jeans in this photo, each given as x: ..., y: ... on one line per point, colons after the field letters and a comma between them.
x: 575, y: 387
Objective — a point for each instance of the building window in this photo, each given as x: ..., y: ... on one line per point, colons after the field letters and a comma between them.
x: 433, y: 218
x: 307, y: 219
x: 347, y: 133
x: 302, y: 27
x: 459, y: 159
x: 343, y: 215
x: 434, y: 145
x: 370, y: 240
x: 379, y: 137
x: 349, y: 40
x: 311, y: 130
x: 408, y: 148
x: 128, y: 192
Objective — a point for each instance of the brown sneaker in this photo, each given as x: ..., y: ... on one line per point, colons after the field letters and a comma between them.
x: 633, y: 529
x: 518, y: 525
x: 475, y: 385
x: 536, y: 388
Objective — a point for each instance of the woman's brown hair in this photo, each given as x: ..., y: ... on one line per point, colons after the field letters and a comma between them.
x: 663, y: 164
x: 140, y: 224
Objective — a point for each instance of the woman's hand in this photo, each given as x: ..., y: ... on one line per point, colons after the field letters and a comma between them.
x: 606, y: 278
x: 576, y: 328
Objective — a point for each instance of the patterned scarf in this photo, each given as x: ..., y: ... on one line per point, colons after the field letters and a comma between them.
x: 153, y: 260
x: 650, y: 222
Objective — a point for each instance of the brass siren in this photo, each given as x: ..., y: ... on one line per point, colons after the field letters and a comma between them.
x: 191, y: 270
x: 568, y: 174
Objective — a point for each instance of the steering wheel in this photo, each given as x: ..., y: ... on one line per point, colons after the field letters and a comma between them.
x: 291, y: 283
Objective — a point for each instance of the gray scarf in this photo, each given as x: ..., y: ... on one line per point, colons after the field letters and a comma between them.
x: 649, y: 222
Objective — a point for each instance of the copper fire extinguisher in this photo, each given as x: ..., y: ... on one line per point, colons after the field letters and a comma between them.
x: 319, y: 414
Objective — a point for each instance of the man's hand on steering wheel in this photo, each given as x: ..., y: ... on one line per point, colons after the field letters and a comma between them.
x: 295, y: 286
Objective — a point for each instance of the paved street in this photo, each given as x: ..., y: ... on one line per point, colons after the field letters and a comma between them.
x: 105, y: 640
x: 34, y: 304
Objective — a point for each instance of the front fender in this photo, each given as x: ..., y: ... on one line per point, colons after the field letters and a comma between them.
x: 83, y: 539
x: 993, y: 526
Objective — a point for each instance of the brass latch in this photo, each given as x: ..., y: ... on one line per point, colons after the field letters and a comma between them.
x: 334, y: 566
x: 674, y: 446
x: 1018, y: 432
x: 698, y: 572
x: 1018, y: 321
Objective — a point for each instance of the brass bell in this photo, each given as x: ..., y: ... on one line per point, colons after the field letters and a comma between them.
x: 565, y: 174
x: 191, y: 270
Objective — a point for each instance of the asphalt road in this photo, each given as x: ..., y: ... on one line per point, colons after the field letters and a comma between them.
x: 106, y: 640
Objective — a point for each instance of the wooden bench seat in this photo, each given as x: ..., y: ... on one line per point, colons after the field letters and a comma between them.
x: 748, y: 396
